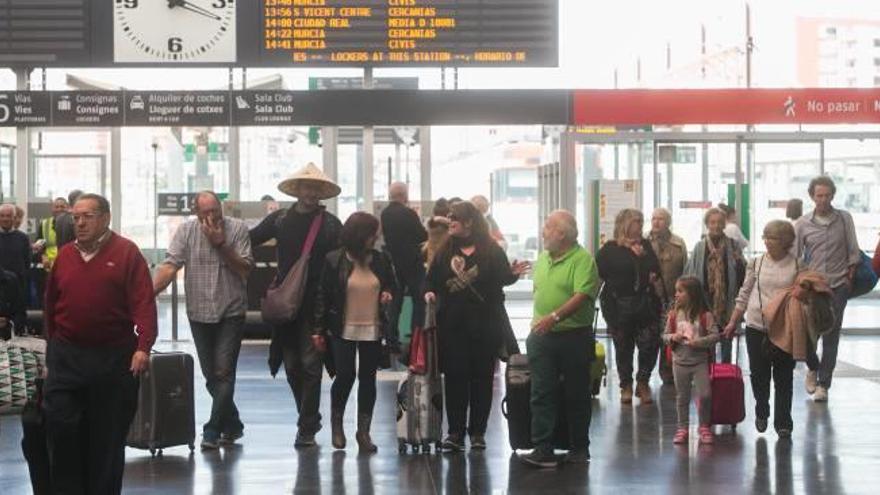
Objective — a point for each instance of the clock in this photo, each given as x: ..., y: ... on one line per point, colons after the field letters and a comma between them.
x: 174, y: 31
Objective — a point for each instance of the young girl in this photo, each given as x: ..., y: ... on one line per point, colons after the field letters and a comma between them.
x: 692, y: 333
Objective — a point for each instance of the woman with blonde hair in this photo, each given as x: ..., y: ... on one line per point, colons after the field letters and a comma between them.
x: 630, y: 304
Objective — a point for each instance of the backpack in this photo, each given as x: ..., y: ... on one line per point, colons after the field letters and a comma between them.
x: 672, y: 324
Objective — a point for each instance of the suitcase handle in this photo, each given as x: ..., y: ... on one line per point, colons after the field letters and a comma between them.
x: 504, y: 407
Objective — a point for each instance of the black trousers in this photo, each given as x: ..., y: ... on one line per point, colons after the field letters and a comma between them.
x: 766, y: 360
x: 304, y: 367
x: 626, y: 339
x: 344, y: 358
x: 470, y: 370
x: 90, y: 400
x: 566, y: 355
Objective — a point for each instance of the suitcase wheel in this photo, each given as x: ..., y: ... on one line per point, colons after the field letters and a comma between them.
x: 426, y: 447
x: 733, y: 428
x: 416, y: 448
x: 438, y: 447
x: 152, y: 452
x: 401, y: 447
x: 192, y: 447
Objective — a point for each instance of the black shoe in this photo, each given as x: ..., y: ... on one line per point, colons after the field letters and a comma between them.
x: 304, y: 439
x: 578, y: 456
x: 541, y: 459
x: 230, y: 438
x: 453, y: 443
x: 761, y: 424
x: 478, y: 442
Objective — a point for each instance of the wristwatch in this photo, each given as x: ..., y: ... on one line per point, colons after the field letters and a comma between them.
x: 555, y: 316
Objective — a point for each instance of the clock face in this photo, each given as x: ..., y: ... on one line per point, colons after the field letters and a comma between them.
x: 174, y: 31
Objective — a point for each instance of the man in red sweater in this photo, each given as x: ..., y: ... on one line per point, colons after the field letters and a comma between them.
x: 100, y: 317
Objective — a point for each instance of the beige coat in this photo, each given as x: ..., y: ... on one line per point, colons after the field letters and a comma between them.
x: 672, y: 254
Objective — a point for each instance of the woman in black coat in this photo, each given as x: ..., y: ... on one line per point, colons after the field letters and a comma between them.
x: 630, y: 305
x: 356, y: 282
x: 466, y: 278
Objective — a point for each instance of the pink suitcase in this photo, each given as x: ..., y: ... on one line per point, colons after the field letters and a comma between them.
x: 728, y: 392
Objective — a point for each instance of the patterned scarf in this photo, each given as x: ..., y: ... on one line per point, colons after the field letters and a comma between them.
x: 716, y: 278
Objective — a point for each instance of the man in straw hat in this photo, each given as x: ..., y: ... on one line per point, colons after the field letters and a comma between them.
x: 293, y: 344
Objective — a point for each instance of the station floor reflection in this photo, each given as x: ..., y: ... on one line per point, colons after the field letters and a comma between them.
x: 835, y: 448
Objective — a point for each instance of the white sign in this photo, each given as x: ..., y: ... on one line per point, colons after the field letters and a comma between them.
x: 615, y: 196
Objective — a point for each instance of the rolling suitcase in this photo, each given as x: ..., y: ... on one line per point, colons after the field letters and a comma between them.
x: 165, y: 415
x: 420, y: 399
x: 728, y: 391
x: 516, y: 406
x: 598, y: 370
x: 33, y: 442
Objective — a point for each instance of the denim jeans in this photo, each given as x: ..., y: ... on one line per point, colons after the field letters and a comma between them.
x: 830, y: 340
x: 218, y: 345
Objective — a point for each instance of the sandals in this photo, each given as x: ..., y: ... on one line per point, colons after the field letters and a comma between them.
x: 681, y: 436
x: 706, y: 435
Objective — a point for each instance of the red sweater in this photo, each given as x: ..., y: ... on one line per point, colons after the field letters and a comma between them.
x: 101, y: 303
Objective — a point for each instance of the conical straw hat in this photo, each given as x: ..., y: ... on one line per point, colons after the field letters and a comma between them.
x: 312, y: 174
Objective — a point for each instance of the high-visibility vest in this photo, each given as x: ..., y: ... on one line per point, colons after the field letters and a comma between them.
x: 48, y: 231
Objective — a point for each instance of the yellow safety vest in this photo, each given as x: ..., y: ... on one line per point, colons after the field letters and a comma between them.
x: 49, y: 236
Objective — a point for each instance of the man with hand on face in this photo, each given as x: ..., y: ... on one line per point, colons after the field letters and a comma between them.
x: 562, y: 343
x: 217, y: 253
x: 100, y: 317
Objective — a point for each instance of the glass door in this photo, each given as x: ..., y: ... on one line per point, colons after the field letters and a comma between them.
x: 7, y: 172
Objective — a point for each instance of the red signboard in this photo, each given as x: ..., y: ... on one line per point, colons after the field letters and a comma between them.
x: 727, y: 106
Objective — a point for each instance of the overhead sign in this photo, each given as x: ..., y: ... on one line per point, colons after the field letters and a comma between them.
x: 409, y: 32
x: 92, y: 108
x: 279, y: 107
x: 694, y: 205
x: 279, y: 33
x: 175, y: 108
x: 727, y: 106
x: 25, y: 108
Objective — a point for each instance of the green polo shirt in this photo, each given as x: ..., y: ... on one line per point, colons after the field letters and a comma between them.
x: 556, y: 281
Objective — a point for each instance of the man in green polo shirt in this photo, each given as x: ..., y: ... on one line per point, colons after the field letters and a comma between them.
x: 561, y: 343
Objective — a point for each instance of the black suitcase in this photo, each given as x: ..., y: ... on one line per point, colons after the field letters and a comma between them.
x: 33, y: 442
x: 165, y: 415
x: 516, y: 406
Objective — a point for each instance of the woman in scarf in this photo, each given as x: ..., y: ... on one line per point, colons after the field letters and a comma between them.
x: 466, y: 279
x: 630, y: 303
x: 717, y: 262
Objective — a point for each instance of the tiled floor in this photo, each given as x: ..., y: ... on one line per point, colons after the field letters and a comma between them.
x: 835, y: 448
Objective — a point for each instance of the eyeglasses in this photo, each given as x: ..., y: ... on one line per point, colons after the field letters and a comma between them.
x: 88, y: 217
x: 453, y: 218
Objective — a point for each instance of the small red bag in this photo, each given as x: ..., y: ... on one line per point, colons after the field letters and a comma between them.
x: 418, y: 352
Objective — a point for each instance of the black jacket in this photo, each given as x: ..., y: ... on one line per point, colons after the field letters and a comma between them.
x: 404, y: 235
x: 12, y: 304
x: 329, y: 310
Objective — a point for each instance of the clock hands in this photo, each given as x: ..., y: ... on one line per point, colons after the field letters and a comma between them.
x: 186, y: 5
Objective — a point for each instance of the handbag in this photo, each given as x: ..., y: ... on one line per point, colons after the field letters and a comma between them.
x: 283, y: 299
x: 418, y: 348
x: 20, y: 368
x: 865, y: 279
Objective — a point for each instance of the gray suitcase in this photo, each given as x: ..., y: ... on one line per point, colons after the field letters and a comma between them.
x: 165, y: 415
x: 420, y: 405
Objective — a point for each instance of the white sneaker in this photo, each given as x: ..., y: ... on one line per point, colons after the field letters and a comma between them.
x: 811, y: 382
x: 821, y: 394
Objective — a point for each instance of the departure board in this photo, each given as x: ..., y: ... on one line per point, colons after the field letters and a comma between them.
x: 410, y: 32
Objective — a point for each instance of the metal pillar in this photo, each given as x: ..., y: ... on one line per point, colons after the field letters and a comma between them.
x: 425, y: 163
x: 669, y: 182
x: 822, y: 157
x: 22, y: 149
x: 655, y: 176
x: 329, y: 138
x: 233, y: 150
x: 116, y: 179
x: 368, y: 175
x: 738, y: 202
x: 567, y: 173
